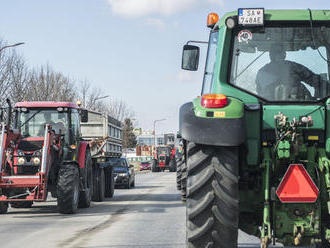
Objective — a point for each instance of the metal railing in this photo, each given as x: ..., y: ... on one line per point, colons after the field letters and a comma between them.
x: 1, y: 144
x: 45, y: 151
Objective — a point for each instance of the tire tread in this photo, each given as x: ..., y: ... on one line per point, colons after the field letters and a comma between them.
x: 212, y: 196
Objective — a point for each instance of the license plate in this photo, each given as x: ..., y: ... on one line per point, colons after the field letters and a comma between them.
x: 253, y: 17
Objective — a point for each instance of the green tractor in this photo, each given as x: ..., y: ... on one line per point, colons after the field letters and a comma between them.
x: 257, y: 140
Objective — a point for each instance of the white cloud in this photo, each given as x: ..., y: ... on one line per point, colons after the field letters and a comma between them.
x: 142, y: 8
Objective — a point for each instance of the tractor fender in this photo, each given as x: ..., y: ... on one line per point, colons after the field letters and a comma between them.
x: 83, y: 147
x: 210, y: 131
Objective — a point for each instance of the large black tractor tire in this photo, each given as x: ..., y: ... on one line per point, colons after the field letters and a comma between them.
x: 25, y: 204
x: 68, y: 189
x: 3, y: 207
x: 99, y: 184
x: 109, y: 183
x: 128, y: 184
x: 184, y: 175
x: 85, y: 195
x: 212, y: 196
x: 178, y: 173
x: 172, y: 165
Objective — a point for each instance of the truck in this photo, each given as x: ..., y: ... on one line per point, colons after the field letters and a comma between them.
x: 256, y: 142
x: 164, y: 155
x: 42, y: 152
x: 104, y: 136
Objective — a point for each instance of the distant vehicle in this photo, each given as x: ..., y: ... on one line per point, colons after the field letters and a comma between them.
x: 164, y: 158
x: 145, y: 166
x: 123, y: 172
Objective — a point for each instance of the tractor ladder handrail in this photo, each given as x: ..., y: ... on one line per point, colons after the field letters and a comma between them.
x: 1, y: 145
x: 45, y: 151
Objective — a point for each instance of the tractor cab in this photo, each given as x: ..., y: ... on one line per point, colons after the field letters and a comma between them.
x: 31, y: 118
x: 62, y: 118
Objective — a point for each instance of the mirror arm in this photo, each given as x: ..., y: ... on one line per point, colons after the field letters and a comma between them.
x: 196, y: 42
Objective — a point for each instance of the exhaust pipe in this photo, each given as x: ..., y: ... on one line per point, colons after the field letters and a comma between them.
x: 9, y: 112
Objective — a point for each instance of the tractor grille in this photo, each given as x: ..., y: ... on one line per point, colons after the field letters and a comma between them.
x: 27, y: 170
x: 30, y: 145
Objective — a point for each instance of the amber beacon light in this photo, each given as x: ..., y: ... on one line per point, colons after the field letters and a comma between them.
x: 212, y: 19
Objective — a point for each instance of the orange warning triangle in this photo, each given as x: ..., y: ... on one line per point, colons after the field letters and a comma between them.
x: 297, y: 186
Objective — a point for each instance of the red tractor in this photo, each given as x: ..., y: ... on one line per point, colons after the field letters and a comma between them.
x: 164, y: 158
x: 43, y: 152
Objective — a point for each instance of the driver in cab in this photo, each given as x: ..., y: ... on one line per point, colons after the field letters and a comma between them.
x: 281, y: 79
x: 57, y: 127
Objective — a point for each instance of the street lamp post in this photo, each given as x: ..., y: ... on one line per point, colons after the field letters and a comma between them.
x: 98, y: 98
x: 101, y: 97
x: 155, y: 130
x: 14, y: 45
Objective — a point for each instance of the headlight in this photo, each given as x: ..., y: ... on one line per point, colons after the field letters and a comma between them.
x: 123, y: 174
x: 20, y: 161
x: 100, y: 160
x: 35, y: 160
x: 230, y: 23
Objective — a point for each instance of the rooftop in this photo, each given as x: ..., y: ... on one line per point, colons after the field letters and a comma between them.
x: 46, y: 104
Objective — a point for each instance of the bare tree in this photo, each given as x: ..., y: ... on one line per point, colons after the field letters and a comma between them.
x: 90, y: 97
x: 119, y: 109
x: 47, y: 85
x: 19, y: 76
x: 18, y: 82
x: 84, y: 87
x: 7, y: 59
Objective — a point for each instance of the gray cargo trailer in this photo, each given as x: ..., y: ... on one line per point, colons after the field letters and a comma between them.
x: 104, y: 134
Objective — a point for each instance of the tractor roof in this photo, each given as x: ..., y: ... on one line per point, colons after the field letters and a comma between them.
x: 287, y: 15
x: 46, y: 104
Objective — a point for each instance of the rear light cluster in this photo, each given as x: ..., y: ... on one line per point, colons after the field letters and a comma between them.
x: 214, y: 101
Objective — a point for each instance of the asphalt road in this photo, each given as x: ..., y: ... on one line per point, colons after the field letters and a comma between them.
x: 149, y: 215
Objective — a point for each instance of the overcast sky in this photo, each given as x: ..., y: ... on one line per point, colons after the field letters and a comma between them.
x: 129, y: 48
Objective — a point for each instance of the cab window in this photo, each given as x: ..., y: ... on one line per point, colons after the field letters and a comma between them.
x: 210, y: 62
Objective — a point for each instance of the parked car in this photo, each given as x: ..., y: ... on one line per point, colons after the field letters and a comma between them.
x: 145, y: 166
x: 123, y: 172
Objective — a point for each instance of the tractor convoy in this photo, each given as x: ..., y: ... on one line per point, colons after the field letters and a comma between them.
x: 47, y: 150
x: 256, y: 143
x: 254, y: 150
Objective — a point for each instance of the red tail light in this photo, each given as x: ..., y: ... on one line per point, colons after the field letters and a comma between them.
x: 214, y: 101
x: 297, y: 186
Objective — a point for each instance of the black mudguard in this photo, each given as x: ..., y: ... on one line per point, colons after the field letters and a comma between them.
x: 210, y: 131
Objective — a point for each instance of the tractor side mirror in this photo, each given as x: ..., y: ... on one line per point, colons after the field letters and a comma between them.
x: 131, y: 166
x: 190, y: 58
x: 84, y: 115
